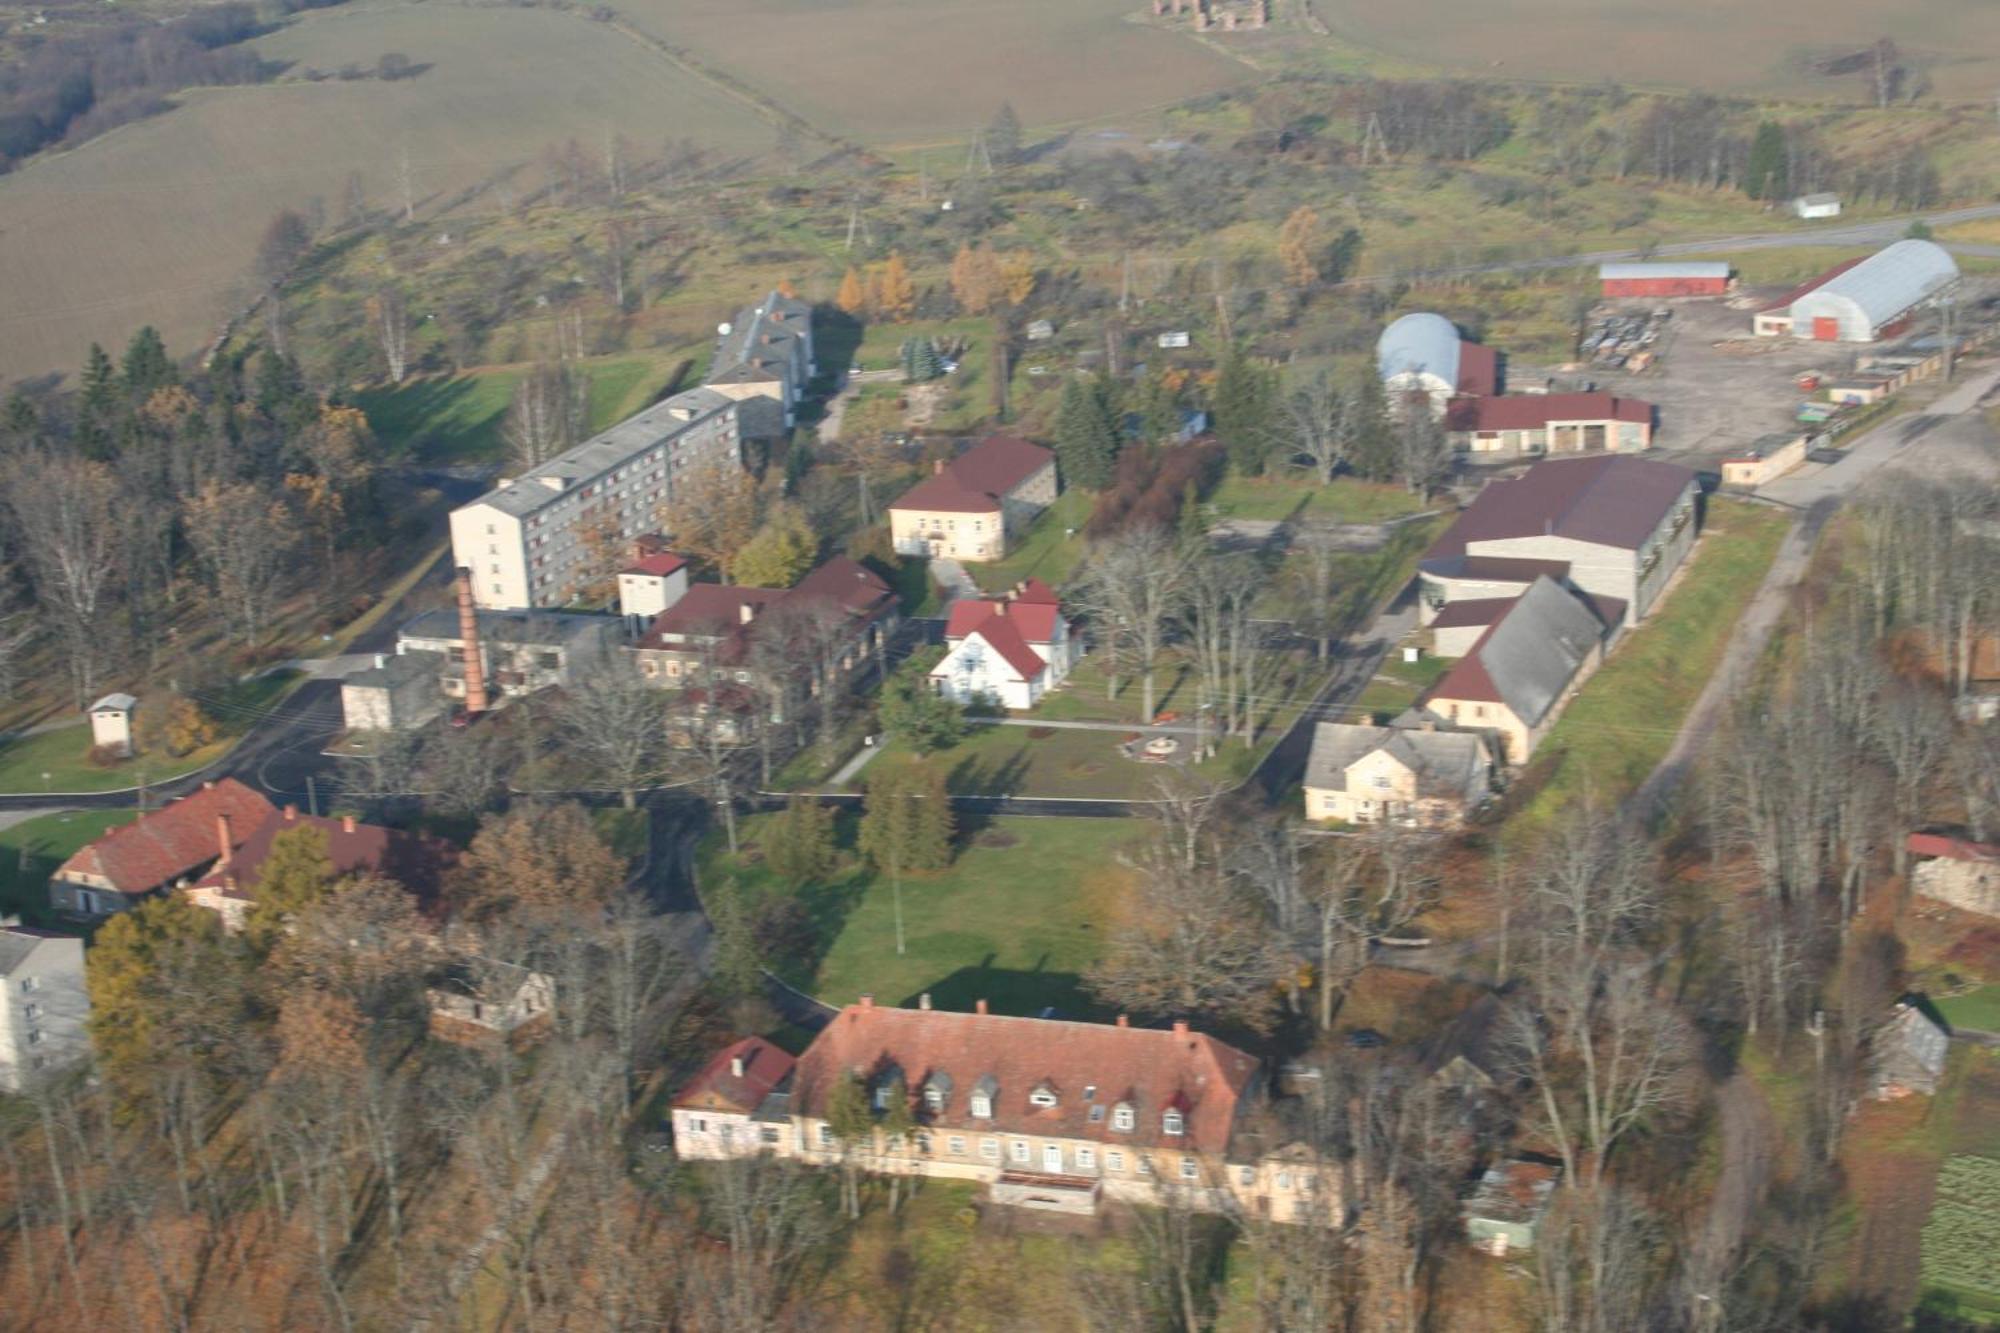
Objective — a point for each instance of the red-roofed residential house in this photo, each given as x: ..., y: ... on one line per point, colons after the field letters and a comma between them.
x: 713, y: 1116
x: 161, y: 850
x: 1009, y: 651
x: 416, y: 861
x: 1050, y: 1114
x: 970, y: 507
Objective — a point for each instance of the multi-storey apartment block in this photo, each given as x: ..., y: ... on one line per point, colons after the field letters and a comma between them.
x: 43, y: 1003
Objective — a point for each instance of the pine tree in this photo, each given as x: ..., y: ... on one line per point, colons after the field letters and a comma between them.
x: 1371, y: 451
x: 925, y: 363
x: 1245, y: 401
x: 1086, y: 435
x: 895, y: 293
x: 147, y: 366
x: 297, y: 873
x: 800, y: 845
x: 1764, y: 177
x: 852, y: 296
x: 126, y: 959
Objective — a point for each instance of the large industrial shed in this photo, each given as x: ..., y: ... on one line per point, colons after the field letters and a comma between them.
x: 1422, y: 353
x: 1861, y: 301
x: 1684, y: 279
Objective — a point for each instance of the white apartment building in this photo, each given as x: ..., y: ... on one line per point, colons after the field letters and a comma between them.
x: 43, y: 1003
x: 539, y: 539
x: 763, y: 360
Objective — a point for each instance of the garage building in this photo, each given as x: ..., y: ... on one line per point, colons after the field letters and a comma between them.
x: 1423, y: 353
x: 1657, y: 280
x: 1862, y: 300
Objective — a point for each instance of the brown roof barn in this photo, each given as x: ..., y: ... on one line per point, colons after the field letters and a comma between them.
x: 164, y: 845
x: 977, y: 480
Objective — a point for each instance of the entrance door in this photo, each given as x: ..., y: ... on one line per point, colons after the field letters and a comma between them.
x: 1826, y: 329
x: 1052, y: 1158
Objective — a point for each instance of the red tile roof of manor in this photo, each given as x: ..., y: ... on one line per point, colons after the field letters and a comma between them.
x: 1085, y: 1066
x: 718, y: 1084
x: 160, y: 847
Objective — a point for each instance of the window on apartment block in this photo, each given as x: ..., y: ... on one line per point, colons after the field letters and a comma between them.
x: 955, y: 1146
x: 1172, y: 1123
x: 35, y: 983
x: 1018, y: 1150
x: 990, y: 1149
x: 34, y: 1037
x: 31, y: 1010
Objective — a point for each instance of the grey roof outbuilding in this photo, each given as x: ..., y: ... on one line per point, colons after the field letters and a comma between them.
x: 1880, y: 289
x: 1529, y: 657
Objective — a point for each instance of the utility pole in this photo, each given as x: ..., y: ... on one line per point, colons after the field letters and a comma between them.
x: 853, y: 219
x: 1950, y: 333
x: 1125, y: 286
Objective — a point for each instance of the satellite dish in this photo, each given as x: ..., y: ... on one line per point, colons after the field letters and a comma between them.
x: 722, y: 330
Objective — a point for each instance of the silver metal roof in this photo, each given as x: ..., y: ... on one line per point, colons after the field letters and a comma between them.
x: 1538, y: 647
x: 1421, y: 343
x: 552, y: 481
x: 1688, y: 269
x: 1882, y: 286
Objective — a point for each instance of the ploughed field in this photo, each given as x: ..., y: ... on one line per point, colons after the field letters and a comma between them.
x: 1766, y: 48
x: 158, y: 222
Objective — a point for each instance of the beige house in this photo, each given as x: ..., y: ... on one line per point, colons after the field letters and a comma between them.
x: 1369, y: 775
x: 1524, y: 668
x: 971, y: 507
x: 1050, y: 1115
x: 1766, y: 459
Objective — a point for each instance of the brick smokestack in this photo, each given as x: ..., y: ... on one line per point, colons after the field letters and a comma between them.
x: 225, y: 840
x: 468, y: 630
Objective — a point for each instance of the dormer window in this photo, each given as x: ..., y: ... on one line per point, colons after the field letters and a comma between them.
x: 937, y: 1092
x: 1172, y: 1123
x: 934, y: 1099
x: 982, y: 1106
x: 1043, y: 1096
x: 1096, y: 1115
x: 1090, y: 1092
x: 983, y: 1093
x: 1121, y: 1117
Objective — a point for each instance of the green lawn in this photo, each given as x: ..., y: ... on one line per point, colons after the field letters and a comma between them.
x: 1068, y: 763
x: 30, y: 853
x: 458, y: 418
x: 1622, y: 724
x: 1014, y: 920
x: 1397, y: 684
x: 62, y: 753
x: 1345, y: 500
x: 1978, y: 1009
x: 1045, y: 553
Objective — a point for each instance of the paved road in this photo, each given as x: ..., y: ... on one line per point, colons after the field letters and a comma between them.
x: 1817, y: 491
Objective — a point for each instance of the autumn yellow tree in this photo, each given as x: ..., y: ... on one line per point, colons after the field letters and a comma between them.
x: 1301, y: 242
x: 895, y: 292
x: 1017, y: 277
x: 781, y: 552
x: 975, y: 279
x: 853, y: 295
x: 542, y: 861
x: 714, y: 512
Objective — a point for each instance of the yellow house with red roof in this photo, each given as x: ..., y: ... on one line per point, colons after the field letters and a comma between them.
x: 970, y: 507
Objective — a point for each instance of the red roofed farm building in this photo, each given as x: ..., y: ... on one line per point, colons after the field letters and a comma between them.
x: 1050, y: 1114
x: 161, y: 850
x: 1009, y: 651
x: 1533, y: 424
x: 971, y: 507
x: 1660, y: 279
x: 415, y: 861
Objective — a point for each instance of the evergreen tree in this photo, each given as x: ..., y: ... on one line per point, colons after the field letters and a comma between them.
x: 1244, y: 407
x: 925, y: 363
x: 1158, y: 408
x: 97, y: 407
x: 800, y: 846
x: 20, y: 423
x: 1764, y: 178
x: 147, y: 366
x: 129, y: 994
x: 1371, y: 451
x: 297, y: 873
x: 911, y: 709
x: 1003, y: 137
x: 1086, y: 434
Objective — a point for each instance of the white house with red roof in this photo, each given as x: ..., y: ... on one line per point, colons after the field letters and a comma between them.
x: 652, y: 583
x: 714, y: 1114
x: 1009, y: 650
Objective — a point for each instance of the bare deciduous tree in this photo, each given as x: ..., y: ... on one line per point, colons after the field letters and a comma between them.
x: 546, y: 415
x: 1132, y: 586
x: 241, y: 535
x: 70, y: 532
x: 390, y: 319
x: 614, y: 721
x: 1315, y: 416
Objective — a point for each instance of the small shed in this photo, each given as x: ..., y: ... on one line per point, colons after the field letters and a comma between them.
x: 1040, y: 331
x: 111, y: 724
x: 1909, y: 1052
x: 1810, y: 206
x: 1506, y: 1210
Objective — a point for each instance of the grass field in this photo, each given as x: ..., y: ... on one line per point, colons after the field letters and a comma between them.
x: 158, y: 222
x: 1345, y: 500
x: 1069, y: 763
x: 1712, y: 45
x: 1623, y: 722
x: 30, y: 852
x: 458, y: 418
x: 1045, y: 553
x: 900, y: 72
x: 1978, y: 1009
x: 1014, y: 920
